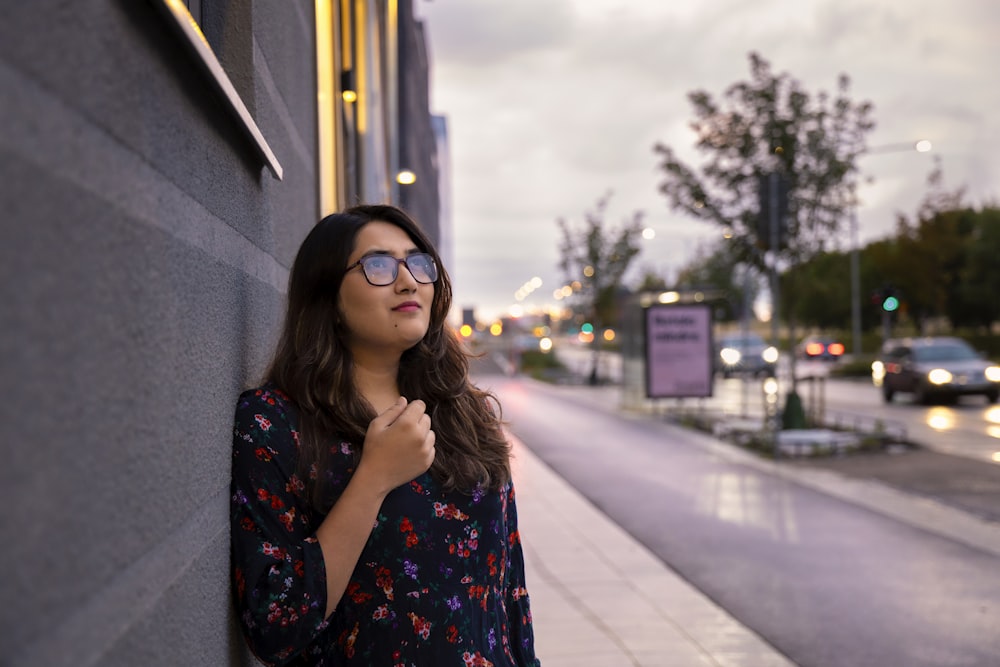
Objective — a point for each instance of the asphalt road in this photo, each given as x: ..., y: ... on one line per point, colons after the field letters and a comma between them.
x: 827, y: 582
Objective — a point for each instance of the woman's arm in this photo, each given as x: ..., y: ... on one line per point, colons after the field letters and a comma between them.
x: 399, y: 446
x: 522, y: 637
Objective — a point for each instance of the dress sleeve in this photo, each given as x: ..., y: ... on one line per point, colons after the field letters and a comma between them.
x: 279, y: 576
x: 522, y: 637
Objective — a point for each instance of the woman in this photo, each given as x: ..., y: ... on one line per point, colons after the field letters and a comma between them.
x: 373, y: 516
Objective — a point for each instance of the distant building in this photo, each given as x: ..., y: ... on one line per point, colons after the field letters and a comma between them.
x: 159, y: 172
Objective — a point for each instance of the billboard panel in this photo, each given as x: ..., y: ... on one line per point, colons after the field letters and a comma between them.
x: 679, y: 351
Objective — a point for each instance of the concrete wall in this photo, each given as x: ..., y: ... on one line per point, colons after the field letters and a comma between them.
x: 143, y: 259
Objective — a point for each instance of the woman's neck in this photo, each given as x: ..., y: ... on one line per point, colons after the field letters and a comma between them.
x: 375, y: 379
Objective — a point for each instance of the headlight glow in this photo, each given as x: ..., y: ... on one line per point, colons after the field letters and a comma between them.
x: 770, y: 355
x: 939, y: 376
x: 993, y: 373
x: 730, y: 355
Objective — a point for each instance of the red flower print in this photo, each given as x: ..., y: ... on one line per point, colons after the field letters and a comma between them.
x: 262, y: 454
x: 411, y: 540
x: 356, y: 594
x: 491, y: 560
x: 246, y: 523
x: 405, y: 525
x: 452, y: 634
x: 449, y: 511
x: 300, y: 569
x: 383, y: 578
x: 421, y: 626
x: 287, y: 519
x: 475, y: 660
x: 269, y: 549
x: 347, y: 640
x: 381, y: 612
x: 262, y: 494
x: 263, y: 422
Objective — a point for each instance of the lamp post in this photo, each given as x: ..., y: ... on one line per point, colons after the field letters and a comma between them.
x: 921, y: 146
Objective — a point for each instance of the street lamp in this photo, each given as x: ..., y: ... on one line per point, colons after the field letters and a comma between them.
x: 921, y: 146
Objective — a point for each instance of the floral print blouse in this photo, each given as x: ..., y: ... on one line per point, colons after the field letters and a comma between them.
x: 439, y: 583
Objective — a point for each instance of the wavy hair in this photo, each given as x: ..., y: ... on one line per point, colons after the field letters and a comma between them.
x: 313, y: 365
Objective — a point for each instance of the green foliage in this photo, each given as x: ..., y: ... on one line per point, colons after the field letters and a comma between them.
x: 715, y: 269
x: 597, y: 258
x: 767, y: 124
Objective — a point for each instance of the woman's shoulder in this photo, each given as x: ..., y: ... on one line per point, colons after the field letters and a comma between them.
x: 267, y: 400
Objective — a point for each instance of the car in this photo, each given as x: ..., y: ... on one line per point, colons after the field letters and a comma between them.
x: 934, y: 368
x: 745, y: 353
x: 823, y: 348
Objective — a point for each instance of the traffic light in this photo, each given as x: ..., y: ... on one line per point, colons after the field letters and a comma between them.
x: 771, y: 185
x: 890, y: 303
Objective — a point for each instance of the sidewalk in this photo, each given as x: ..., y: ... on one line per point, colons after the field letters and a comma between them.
x: 601, y: 599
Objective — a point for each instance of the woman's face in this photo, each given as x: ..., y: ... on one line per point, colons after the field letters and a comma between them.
x: 390, y: 318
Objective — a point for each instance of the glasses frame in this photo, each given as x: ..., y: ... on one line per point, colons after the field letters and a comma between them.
x: 395, y: 269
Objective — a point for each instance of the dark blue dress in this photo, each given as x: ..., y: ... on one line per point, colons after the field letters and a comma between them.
x: 439, y: 583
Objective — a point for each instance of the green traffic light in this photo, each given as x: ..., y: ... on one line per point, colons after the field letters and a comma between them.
x: 890, y: 304
x: 587, y: 327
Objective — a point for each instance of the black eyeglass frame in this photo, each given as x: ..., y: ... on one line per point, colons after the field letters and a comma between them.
x: 395, y: 268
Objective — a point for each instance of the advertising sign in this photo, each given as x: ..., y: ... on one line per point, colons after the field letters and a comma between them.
x: 679, y: 351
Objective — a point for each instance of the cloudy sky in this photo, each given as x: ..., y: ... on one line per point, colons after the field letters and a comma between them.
x: 552, y: 103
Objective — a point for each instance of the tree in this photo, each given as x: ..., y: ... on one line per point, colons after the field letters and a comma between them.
x: 771, y: 124
x: 594, y: 260
x: 925, y: 258
x: 980, y: 277
x: 714, y: 269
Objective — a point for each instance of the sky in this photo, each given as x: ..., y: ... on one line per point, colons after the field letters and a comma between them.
x: 552, y: 104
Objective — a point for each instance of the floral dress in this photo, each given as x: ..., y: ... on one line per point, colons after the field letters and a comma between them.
x: 439, y: 583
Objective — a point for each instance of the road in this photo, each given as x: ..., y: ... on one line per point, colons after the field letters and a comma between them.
x: 827, y: 582
x: 970, y: 427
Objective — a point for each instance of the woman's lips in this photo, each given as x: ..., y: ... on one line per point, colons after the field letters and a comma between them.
x: 407, y: 307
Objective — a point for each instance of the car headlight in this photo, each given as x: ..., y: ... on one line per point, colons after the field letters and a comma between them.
x: 730, y: 355
x: 939, y: 376
x: 878, y: 372
x: 993, y: 373
x: 770, y: 355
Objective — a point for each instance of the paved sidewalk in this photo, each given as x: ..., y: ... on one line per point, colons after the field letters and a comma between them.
x: 601, y: 599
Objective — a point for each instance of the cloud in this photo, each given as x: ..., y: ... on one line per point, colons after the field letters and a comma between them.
x: 551, y: 104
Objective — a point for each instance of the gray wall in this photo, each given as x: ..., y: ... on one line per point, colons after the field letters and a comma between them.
x: 143, y: 260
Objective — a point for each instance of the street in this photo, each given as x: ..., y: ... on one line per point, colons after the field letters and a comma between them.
x: 970, y: 427
x: 827, y: 582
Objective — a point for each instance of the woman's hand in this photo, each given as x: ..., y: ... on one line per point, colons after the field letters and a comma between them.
x: 399, y: 445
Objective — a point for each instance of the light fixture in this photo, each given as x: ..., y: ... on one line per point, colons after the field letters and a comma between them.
x: 406, y: 177
x: 347, y: 89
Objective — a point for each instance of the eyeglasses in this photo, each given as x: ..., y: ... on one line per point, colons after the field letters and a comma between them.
x: 381, y: 270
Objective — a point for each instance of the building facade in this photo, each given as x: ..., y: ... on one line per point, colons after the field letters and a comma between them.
x: 160, y: 163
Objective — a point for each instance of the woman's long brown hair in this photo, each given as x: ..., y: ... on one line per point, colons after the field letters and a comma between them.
x: 314, y: 367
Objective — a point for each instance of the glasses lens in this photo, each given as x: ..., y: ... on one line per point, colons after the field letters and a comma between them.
x: 422, y: 267
x: 380, y: 269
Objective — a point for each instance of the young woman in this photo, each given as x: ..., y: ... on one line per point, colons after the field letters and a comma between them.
x: 373, y: 516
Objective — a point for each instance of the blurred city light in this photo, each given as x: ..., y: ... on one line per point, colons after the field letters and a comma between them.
x: 406, y: 177
x: 609, y: 335
x: 545, y: 344
x: 670, y: 297
x: 496, y: 328
x: 465, y: 331
x: 649, y: 233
